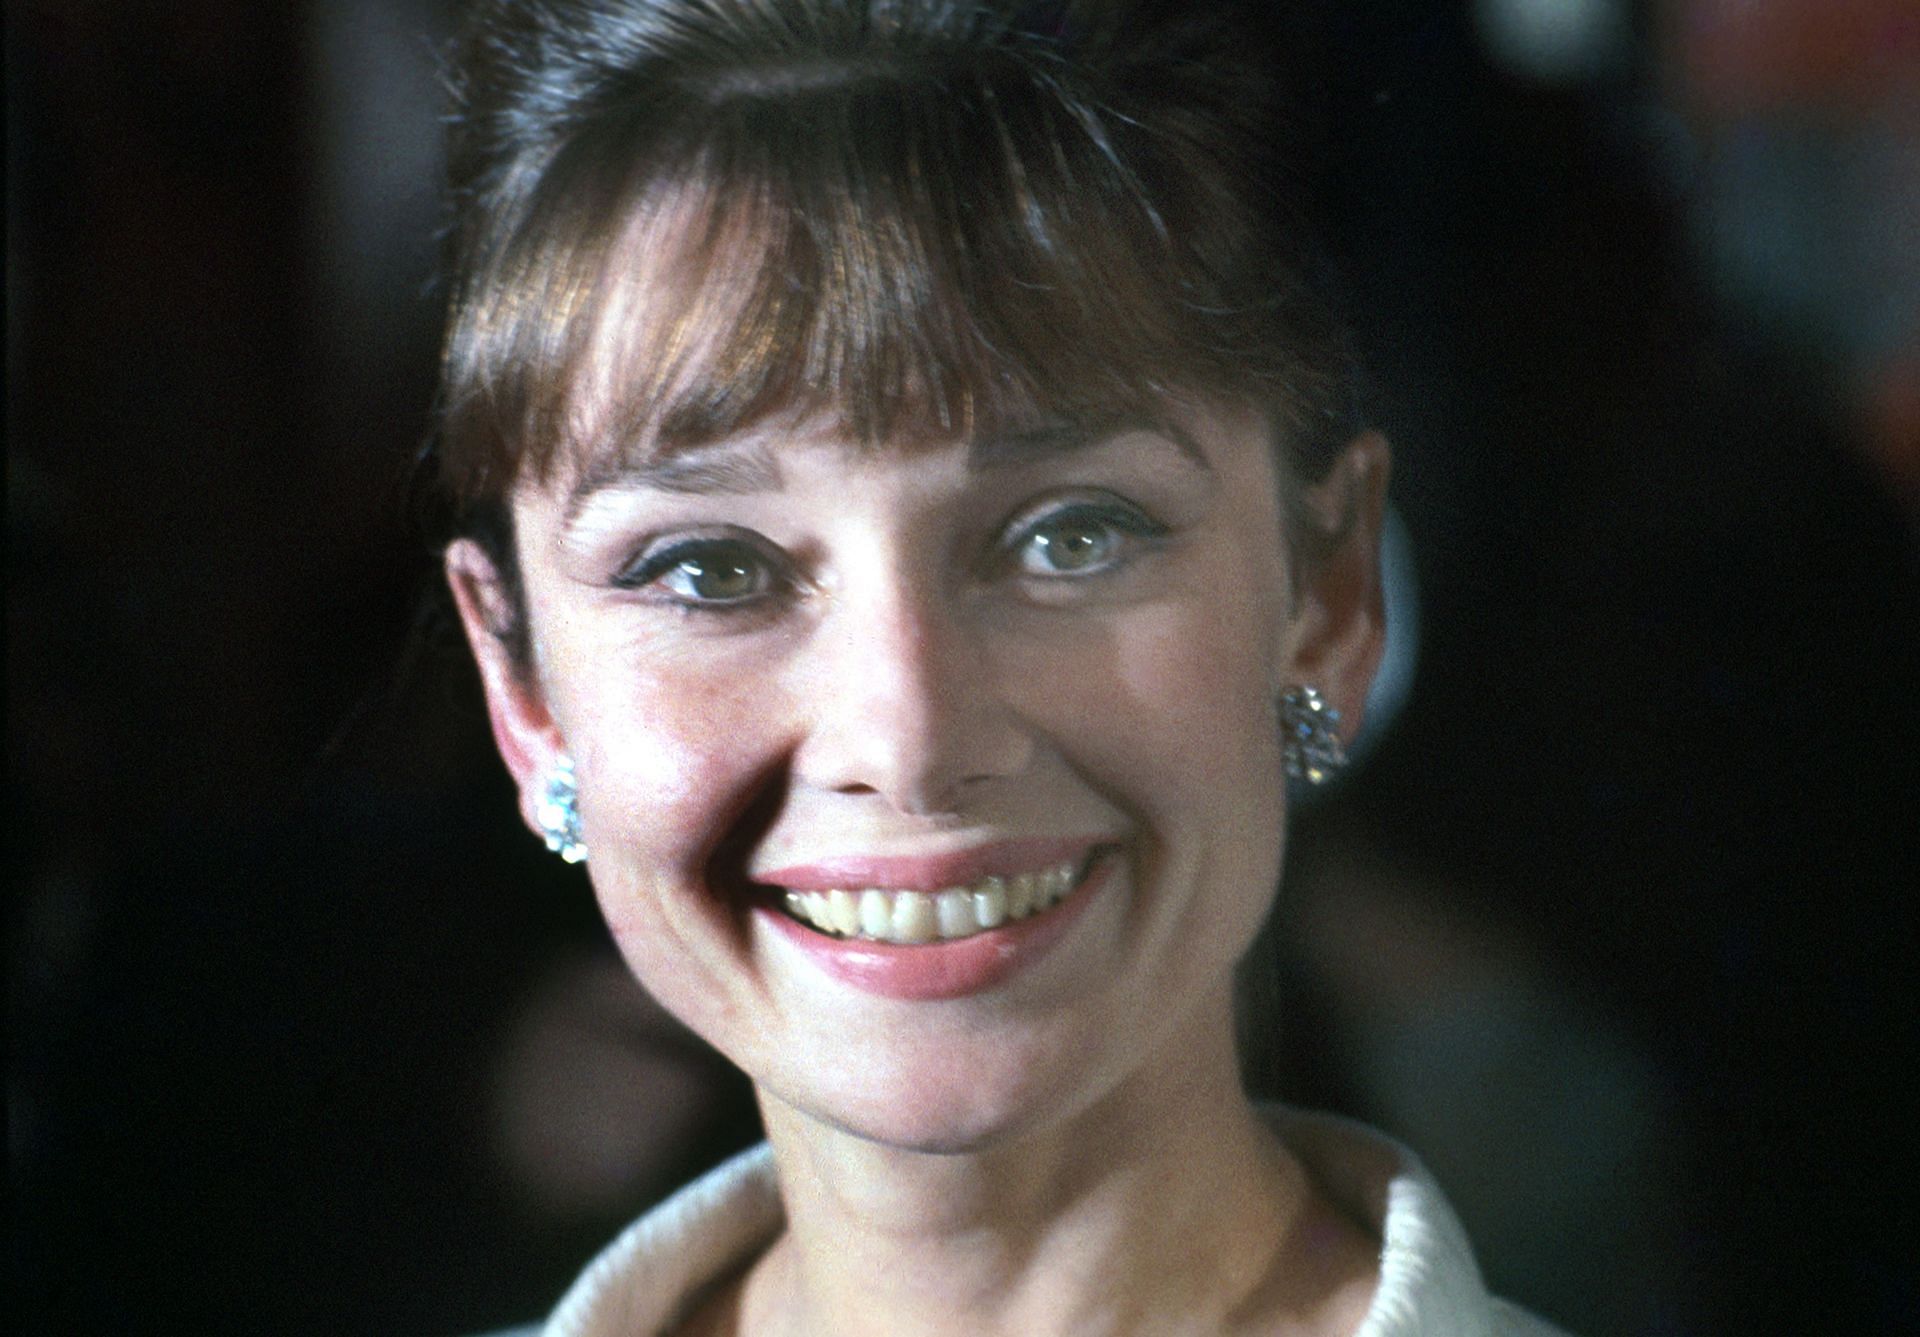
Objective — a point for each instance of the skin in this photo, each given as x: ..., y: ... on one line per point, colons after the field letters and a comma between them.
x: 932, y: 649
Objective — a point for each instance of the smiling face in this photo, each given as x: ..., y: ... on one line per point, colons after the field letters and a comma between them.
x: 925, y: 742
x: 913, y: 686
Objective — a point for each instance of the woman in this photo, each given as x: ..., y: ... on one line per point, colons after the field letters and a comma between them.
x: 908, y: 490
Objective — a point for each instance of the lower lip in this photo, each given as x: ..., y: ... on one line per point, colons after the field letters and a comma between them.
x: 941, y: 969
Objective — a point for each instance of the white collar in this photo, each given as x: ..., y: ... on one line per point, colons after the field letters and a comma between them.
x: 1429, y: 1283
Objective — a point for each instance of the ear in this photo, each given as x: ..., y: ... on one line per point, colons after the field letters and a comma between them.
x: 1338, y: 630
x: 523, y: 729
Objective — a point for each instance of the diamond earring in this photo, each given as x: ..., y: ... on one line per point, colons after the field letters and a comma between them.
x: 558, y: 811
x: 1310, y: 736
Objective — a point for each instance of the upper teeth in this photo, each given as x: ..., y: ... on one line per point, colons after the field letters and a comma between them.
x: 886, y: 915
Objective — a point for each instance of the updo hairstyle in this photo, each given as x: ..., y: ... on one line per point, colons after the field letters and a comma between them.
x: 677, y: 220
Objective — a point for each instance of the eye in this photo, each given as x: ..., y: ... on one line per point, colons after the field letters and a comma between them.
x: 1081, y: 538
x: 705, y: 573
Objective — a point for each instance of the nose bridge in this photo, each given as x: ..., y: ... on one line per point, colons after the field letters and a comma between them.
x: 907, y: 702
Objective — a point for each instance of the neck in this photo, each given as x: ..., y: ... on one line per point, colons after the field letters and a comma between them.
x: 1165, y: 1205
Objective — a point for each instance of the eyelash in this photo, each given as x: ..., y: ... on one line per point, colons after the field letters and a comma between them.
x: 651, y: 569
x: 1122, y: 523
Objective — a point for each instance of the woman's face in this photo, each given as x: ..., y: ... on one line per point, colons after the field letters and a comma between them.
x: 918, y: 687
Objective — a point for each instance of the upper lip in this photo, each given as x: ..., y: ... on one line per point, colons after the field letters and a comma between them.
x: 929, y: 872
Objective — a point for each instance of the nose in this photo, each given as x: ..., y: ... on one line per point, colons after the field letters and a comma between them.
x: 904, y: 704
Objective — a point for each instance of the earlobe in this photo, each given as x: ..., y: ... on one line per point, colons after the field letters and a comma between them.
x: 523, y: 728
x: 1338, y: 630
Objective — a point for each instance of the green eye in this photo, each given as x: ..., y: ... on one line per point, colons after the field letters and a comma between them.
x: 1082, y: 539
x: 1069, y: 545
x: 704, y: 573
x: 717, y: 579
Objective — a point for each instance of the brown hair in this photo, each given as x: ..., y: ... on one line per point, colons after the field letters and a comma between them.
x: 920, y: 217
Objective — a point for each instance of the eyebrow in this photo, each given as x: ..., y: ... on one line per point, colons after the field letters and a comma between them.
x: 727, y: 469
x: 735, y: 469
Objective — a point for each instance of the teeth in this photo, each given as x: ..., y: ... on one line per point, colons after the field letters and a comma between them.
x: 954, y: 909
x: 1020, y: 896
x: 990, y: 902
x: 844, y: 911
x: 1058, y: 883
x: 913, y: 919
x: 920, y: 917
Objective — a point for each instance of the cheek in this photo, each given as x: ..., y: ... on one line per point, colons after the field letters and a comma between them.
x: 1215, y: 739
x: 1197, y: 762
x: 668, y: 762
x: 1178, y: 702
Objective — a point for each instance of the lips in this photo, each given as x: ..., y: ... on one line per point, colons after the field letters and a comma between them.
x: 933, y: 928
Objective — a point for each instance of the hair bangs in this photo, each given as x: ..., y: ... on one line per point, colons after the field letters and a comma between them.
x: 906, y: 255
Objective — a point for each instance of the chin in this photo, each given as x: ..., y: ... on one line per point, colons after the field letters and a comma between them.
x: 937, y: 1101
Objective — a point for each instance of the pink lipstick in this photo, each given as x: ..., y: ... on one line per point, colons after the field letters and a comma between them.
x: 1028, y: 893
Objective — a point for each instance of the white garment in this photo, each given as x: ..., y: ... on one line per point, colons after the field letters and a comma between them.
x: 643, y: 1283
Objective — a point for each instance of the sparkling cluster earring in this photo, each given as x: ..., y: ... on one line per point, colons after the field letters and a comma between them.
x: 558, y: 811
x: 1310, y: 736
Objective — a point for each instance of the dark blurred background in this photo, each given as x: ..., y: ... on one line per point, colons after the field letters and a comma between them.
x: 1614, y: 923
